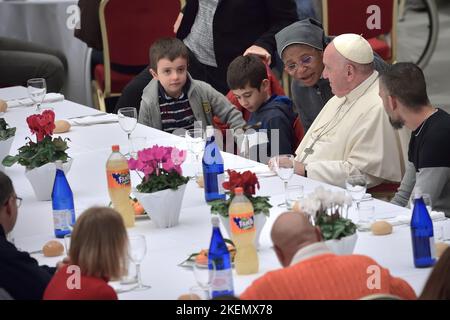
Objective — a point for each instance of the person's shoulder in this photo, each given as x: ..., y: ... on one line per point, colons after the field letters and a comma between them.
x: 150, y: 91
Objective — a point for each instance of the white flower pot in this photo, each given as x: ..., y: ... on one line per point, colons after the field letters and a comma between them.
x: 5, y: 147
x: 343, y: 246
x: 43, y: 178
x: 260, y: 221
x: 163, y: 207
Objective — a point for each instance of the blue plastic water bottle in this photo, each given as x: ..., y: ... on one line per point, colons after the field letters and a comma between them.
x: 62, y: 203
x: 422, y: 234
x: 219, y: 263
x: 213, y: 175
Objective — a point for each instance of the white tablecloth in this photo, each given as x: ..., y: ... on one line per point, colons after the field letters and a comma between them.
x: 90, y: 147
x: 50, y: 23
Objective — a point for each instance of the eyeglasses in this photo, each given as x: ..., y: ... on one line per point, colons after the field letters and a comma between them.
x: 18, y: 201
x: 304, y: 61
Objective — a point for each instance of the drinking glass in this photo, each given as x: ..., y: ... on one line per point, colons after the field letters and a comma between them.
x: 137, y: 144
x: 67, y: 239
x: 37, y: 88
x: 128, y: 120
x: 204, y: 277
x: 356, y: 186
x: 195, y: 140
x: 366, y: 213
x: 137, y: 251
x: 284, y: 167
x: 294, y: 194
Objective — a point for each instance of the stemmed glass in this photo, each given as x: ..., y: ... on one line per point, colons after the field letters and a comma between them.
x: 205, y: 276
x: 137, y: 251
x: 356, y: 186
x: 195, y: 140
x: 284, y: 167
x: 37, y: 88
x: 128, y: 121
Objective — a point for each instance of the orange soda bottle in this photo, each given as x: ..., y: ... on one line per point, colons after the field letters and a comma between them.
x: 119, y: 185
x: 243, y: 232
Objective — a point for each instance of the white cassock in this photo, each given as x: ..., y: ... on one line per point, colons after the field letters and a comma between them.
x: 354, y: 136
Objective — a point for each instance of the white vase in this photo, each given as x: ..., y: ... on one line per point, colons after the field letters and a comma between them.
x: 5, y: 147
x: 260, y: 221
x: 163, y: 207
x: 43, y: 178
x: 343, y: 246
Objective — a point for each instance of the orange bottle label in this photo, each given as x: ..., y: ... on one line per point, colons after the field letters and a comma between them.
x: 118, y: 179
x: 242, y: 223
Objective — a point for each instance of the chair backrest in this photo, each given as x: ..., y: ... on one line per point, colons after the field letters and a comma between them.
x: 349, y: 16
x: 129, y: 28
x: 299, y: 132
x: 370, y: 18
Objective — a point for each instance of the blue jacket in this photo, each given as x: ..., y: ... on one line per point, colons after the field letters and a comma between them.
x: 276, y: 113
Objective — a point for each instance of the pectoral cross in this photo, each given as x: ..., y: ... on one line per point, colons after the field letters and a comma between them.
x: 309, y: 151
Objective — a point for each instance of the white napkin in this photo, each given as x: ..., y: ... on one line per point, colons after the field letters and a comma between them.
x: 260, y: 171
x: 402, y: 220
x: 27, y: 102
x: 91, y: 120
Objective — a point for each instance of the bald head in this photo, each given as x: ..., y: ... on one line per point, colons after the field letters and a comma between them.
x: 290, y: 232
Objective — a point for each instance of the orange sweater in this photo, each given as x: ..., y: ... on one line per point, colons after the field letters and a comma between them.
x: 326, y: 276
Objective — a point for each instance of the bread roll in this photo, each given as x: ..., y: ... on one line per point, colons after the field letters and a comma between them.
x: 440, y: 248
x: 3, y: 106
x: 381, y: 228
x: 61, y: 126
x: 53, y: 248
x: 200, y: 182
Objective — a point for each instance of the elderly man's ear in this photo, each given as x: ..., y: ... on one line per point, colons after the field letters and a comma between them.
x: 281, y: 256
x: 318, y: 233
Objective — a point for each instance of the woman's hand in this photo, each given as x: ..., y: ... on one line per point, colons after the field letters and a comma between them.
x: 260, y: 52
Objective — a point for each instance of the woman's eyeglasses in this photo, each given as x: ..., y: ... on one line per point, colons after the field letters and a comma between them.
x: 304, y: 62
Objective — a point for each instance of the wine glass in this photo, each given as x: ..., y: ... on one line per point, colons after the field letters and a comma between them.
x: 356, y: 186
x: 204, y: 276
x: 284, y: 167
x: 137, y: 251
x: 128, y: 121
x: 37, y: 88
x: 195, y: 140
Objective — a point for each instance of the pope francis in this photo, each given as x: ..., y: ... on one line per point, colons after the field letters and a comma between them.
x: 352, y: 133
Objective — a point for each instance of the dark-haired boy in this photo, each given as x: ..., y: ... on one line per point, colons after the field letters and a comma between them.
x: 247, y: 79
x: 173, y: 100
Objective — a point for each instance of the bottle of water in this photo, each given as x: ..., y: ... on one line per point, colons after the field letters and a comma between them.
x: 422, y: 234
x: 62, y: 204
x: 219, y: 263
x: 213, y: 175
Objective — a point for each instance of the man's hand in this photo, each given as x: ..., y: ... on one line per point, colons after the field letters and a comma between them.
x: 177, y: 23
x: 260, y: 52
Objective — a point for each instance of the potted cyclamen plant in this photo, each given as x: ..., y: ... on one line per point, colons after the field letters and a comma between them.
x: 326, y: 209
x: 39, y: 157
x: 162, y: 187
x: 248, y: 181
x: 6, y: 139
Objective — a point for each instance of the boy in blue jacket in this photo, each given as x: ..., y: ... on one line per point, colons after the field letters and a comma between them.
x: 247, y: 79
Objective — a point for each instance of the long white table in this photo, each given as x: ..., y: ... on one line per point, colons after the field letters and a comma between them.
x: 90, y: 147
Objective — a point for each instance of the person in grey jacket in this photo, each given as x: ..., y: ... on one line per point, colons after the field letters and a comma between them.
x: 174, y: 100
x: 301, y: 46
x: 404, y: 94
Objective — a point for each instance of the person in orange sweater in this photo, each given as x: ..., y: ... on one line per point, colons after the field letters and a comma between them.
x: 312, y: 271
x: 95, y: 257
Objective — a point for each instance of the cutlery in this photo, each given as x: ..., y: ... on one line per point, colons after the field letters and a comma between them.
x: 88, y: 115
